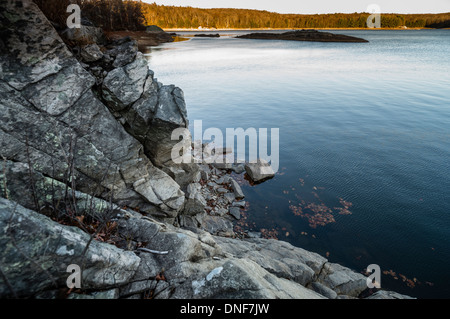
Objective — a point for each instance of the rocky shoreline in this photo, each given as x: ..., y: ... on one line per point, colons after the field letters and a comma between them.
x: 144, y: 39
x: 86, y: 179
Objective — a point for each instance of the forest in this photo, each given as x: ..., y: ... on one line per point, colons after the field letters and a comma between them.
x: 110, y: 15
x: 135, y: 15
x: 188, y: 17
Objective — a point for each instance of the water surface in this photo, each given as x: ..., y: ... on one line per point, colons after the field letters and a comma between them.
x: 364, y: 123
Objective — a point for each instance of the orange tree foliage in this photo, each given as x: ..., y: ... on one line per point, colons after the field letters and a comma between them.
x: 189, y: 17
x: 134, y: 15
x: 111, y: 15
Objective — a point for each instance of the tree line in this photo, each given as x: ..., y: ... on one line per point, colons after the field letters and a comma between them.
x: 189, y: 17
x: 135, y: 15
x: 111, y: 15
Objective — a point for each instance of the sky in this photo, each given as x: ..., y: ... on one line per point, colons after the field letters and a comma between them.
x: 319, y: 6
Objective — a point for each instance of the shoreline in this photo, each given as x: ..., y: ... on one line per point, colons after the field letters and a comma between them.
x: 281, y: 29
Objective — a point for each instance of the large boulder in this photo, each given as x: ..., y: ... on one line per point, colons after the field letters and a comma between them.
x: 149, y: 111
x: 342, y: 280
x: 31, y: 50
x: 241, y: 279
x: 277, y: 257
x: 199, y: 265
x: 259, y: 171
x: 91, y: 53
x: 125, y: 85
x: 164, y: 262
x: 33, y: 261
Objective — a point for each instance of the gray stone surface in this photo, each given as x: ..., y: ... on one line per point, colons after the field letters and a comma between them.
x: 323, y: 290
x: 195, y: 203
x: 384, y: 294
x: 217, y: 225
x: 91, y: 53
x: 259, y: 171
x: 123, y: 51
x: 39, y: 52
x: 238, y: 193
x: 195, y: 263
x: 235, y: 212
x: 342, y: 280
x: 241, y: 279
x: 125, y: 85
x: 277, y: 257
x: 33, y: 261
x: 51, y: 117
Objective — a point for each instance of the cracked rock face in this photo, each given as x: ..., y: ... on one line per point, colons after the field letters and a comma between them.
x: 125, y: 85
x: 195, y: 264
x: 51, y: 116
x: 149, y: 110
x: 37, y: 50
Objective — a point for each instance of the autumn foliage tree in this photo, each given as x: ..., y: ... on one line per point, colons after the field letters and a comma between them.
x: 189, y: 17
x: 111, y: 15
x: 115, y: 14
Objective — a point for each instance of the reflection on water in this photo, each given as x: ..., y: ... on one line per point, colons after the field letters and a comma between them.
x: 147, y: 51
x: 364, y: 129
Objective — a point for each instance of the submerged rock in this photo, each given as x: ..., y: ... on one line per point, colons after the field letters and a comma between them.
x: 259, y: 171
x: 238, y: 193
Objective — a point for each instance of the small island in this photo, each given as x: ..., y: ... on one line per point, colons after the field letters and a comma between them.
x: 303, y: 35
x: 206, y: 35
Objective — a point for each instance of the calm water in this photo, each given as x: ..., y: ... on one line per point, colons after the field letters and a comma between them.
x: 366, y: 123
